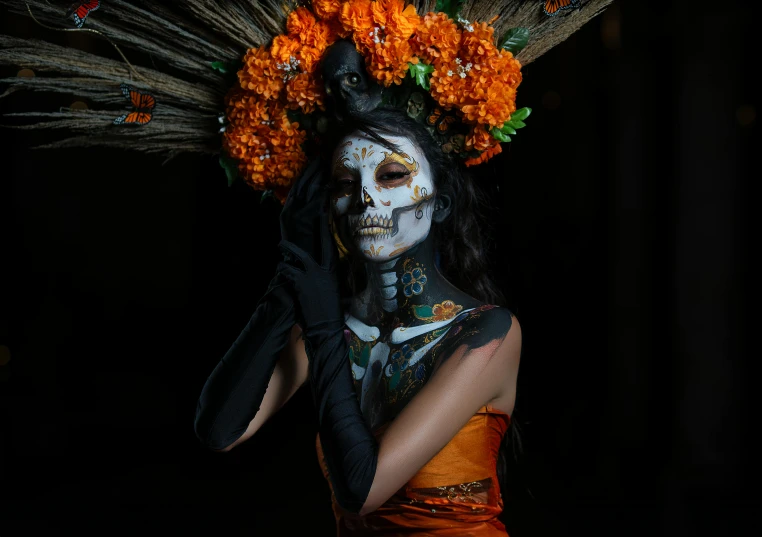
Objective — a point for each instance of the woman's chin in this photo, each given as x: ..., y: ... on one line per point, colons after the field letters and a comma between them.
x: 378, y: 249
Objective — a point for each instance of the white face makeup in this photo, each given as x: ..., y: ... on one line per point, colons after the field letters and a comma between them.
x: 383, y: 200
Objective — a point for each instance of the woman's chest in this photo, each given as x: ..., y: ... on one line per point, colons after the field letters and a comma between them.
x: 390, y: 367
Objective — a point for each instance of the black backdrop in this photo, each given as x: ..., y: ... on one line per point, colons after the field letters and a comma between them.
x: 622, y: 240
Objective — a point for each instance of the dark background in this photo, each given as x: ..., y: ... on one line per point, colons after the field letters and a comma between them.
x: 623, y: 242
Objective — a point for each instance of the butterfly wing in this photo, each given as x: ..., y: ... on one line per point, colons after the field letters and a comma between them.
x: 132, y: 117
x: 444, y: 125
x: 126, y: 91
x: 143, y: 104
x: 81, y: 10
x: 141, y: 118
x: 552, y: 7
x: 434, y: 116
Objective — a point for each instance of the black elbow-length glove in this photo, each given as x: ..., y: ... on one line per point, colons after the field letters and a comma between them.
x: 350, y: 449
x: 234, y: 391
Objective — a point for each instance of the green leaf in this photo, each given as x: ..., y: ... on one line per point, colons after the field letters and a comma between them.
x: 230, y: 166
x: 521, y: 113
x: 267, y: 194
x: 515, y: 39
x: 507, y: 129
x: 220, y: 66
x: 395, y: 380
x: 499, y: 135
x: 451, y: 7
x: 421, y: 72
x: 516, y: 124
x: 227, y: 68
x: 364, y: 356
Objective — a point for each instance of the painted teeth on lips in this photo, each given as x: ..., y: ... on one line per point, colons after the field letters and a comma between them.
x: 374, y: 226
x: 374, y: 221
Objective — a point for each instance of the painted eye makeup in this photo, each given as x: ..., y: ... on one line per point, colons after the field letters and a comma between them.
x: 343, y: 178
x: 392, y: 174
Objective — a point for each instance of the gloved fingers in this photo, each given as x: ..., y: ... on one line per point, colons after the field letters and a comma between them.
x: 289, y: 272
x: 328, y: 249
x: 315, y: 184
x: 298, y: 194
x: 311, y: 176
x: 295, y: 256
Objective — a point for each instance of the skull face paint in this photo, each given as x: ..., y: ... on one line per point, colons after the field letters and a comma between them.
x: 382, y: 200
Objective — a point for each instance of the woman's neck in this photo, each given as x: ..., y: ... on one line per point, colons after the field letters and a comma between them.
x: 395, y: 286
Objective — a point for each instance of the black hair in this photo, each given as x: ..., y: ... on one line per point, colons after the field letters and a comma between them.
x: 461, y: 239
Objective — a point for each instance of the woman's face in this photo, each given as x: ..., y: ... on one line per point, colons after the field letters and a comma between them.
x: 382, y: 202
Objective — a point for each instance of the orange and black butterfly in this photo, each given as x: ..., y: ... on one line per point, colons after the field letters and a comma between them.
x: 434, y: 116
x: 439, y: 120
x: 143, y: 103
x: 444, y: 125
x: 80, y: 11
x: 552, y: 7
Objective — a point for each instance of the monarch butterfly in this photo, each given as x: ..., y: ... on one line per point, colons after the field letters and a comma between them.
x: 80, y: 11
x: 444, y: 125
x: 434, y: 116
x: 552, y: 7
x: 143, y: 103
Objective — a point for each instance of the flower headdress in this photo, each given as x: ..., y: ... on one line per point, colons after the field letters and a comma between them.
x: 252, y: 80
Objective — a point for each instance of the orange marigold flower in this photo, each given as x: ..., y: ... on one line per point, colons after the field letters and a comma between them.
x: 283, y: 48
x: 479, y: 139
x: 306, y: 92
x: 388, y: 61
x: 448, y: 88
x: 260, y: 74
x: 394, y: 18
x: 321, y: 36
x: 356, y: 16
x: 478, y: 44
x: 303, y: 26
x: 491, y: 103
x: 246, y: 109
x: 271, y: 158
x: 326, y: 9
x: 300, y: 22
x: 436, y: 37
x: 485, y: 156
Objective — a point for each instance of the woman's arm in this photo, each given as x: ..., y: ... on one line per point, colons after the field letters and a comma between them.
x: 289, y: 375
x: 467, y: 380
x: 235, y: 390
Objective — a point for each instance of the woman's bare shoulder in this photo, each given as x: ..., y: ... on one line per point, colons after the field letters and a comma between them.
x: 486, y: 323
x: 486, y: 327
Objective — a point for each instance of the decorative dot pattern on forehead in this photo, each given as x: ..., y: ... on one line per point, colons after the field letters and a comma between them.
x: 381, y: 196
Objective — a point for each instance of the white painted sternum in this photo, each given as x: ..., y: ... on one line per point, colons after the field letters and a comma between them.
x: 383, y: 199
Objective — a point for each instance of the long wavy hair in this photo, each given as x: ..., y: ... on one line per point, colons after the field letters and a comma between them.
x: 461, y: 240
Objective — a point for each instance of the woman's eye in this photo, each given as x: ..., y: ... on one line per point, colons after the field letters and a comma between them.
x: 392, y: 176
x: 343, y: 182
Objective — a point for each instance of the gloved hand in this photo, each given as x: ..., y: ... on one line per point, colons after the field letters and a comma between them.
x: 306, y: 241
x: 310, y: 262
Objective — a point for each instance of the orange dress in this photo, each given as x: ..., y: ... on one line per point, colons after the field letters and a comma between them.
x: 455, y: 494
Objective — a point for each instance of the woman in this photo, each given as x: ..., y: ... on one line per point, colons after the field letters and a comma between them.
x: 432, y: 369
